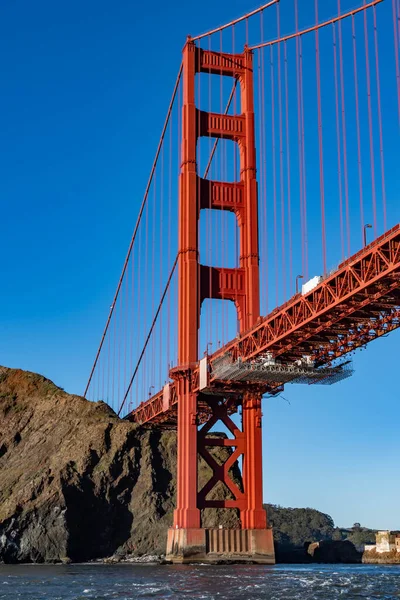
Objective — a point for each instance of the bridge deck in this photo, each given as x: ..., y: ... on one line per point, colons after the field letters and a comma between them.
x: 355, y: 304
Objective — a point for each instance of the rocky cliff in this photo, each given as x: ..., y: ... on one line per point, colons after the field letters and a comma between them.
x: 78, y: 483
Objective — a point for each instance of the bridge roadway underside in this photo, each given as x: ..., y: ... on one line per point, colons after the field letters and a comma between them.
x: 352, y: 306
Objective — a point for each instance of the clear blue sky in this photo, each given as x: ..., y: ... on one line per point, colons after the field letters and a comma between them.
x: 85, y: 87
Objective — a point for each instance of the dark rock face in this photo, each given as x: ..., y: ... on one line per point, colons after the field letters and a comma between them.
x: 334, y: 552
x: 77, y: 483
x: 328, y: 551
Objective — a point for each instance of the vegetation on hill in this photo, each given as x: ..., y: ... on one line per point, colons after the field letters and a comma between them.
x: 357, y: 535
x: 295, y: 526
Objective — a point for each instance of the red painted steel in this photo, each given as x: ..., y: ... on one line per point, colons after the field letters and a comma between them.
x: 349, y: 308
x: 198, y: 282
x: 354, y: 305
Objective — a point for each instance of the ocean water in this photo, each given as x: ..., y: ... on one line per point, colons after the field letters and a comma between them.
x: 128, y: 582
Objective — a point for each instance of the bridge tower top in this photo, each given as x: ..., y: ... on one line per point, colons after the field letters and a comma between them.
x: 196, y: 281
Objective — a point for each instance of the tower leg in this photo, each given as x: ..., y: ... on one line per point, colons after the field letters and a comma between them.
x: 186, y: 540
x: 187, y: 515
x: 254, y: 515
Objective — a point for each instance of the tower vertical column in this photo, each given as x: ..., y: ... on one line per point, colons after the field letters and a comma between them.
x: 250, y: 250
x: 254, y: 516
x: 188, y: 291
x: 187, y: 515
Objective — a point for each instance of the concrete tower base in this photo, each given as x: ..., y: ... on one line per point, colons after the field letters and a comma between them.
x: 220, y: 545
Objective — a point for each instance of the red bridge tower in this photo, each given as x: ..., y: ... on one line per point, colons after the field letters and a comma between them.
x: 199, y: 405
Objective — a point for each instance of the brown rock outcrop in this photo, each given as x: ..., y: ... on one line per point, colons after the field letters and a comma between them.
x: 330, y: 551
x: 372, y: 557
x: 78, y: 483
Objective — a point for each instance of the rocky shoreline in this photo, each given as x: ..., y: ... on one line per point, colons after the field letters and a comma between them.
x: 78, y: 484
x: 386, y: 558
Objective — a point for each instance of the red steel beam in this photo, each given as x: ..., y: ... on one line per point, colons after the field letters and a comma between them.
x: 373, y: 270
x: 354, y: 305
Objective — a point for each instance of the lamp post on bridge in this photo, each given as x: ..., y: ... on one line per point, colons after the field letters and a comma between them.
x: 367, y: 226
x: 297, y: 282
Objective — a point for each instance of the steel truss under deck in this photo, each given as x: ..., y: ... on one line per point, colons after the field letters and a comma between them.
x: 352, y: 306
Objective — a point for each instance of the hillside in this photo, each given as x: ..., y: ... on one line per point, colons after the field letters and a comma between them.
x: 78, y: 483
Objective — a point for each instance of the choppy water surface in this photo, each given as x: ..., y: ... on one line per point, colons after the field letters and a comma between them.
x: 125, y: 582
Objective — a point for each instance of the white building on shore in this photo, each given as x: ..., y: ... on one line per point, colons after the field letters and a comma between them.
x: 386, y: 541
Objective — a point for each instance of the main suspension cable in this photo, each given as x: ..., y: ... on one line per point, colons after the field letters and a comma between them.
x: 316, y: 27
x: 144, y: 201
x: 239, y: 20
x: 170, y: 275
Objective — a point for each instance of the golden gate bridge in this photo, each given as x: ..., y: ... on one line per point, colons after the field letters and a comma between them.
x: 279, y: 152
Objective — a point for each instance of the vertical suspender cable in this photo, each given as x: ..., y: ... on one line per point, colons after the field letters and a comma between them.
x: 235, y: 179
x: 149, y: 334
x: 169, y: 241
x: 140, y: 325
x: 221, y: 236
x: 114, y: 343
x: 103, y: 386
x: 276, y: 264
x: 320, y: 141
x: 378, y: 87
x: 263, y: 163
x: 288, y: 172
x: 259, y: 130
x: 344, y: 135
x: 209, y: 236
x: 281, y: 183
x: 108, y: 366
x: 133, y: 303
x: 146, y: 296
x: 370, y: 123
x: 261, y: 198
x: 153, y: 282
x: 127, y: 329
x: 119, y: 340
x: 161, y: 261
x: 303, y: 166
x: 144, y: 201
x: 179, y: 161
x: 300, y: 148
x: 360, y: 178
x: 338, y: 142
